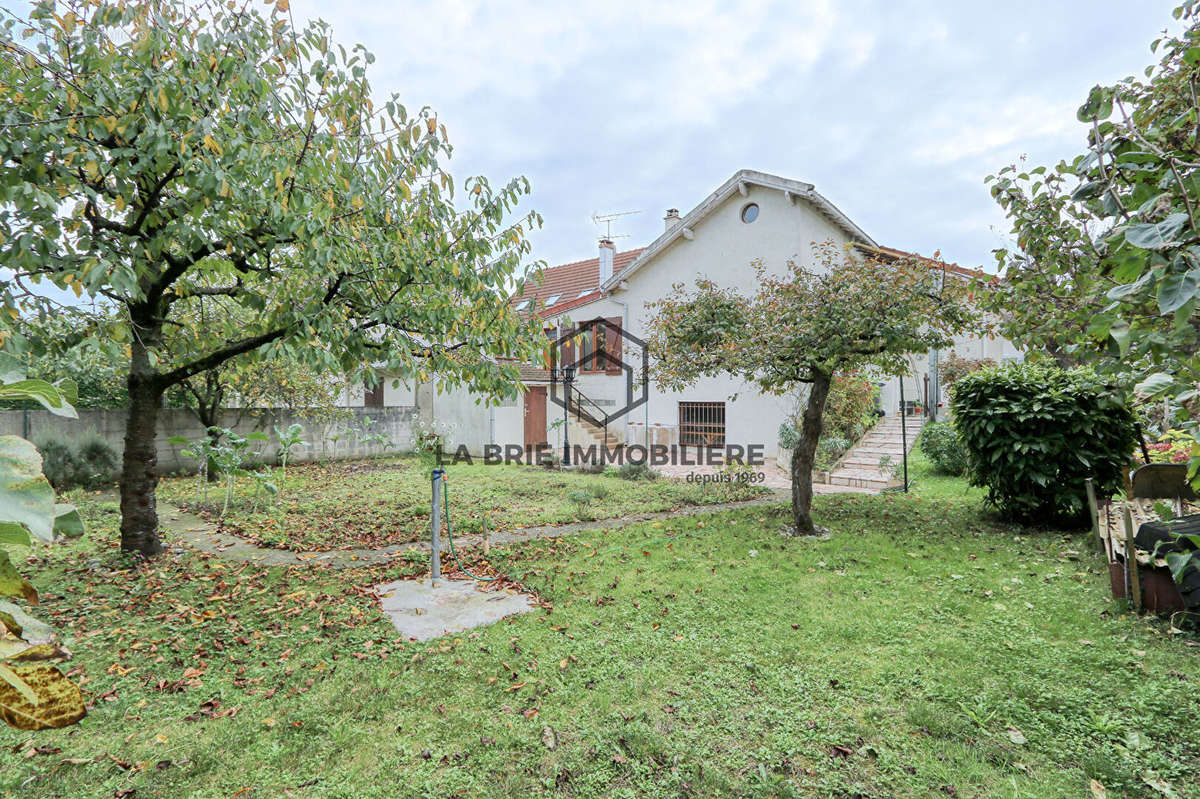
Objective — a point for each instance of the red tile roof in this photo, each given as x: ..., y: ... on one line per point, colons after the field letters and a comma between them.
x: 565, y: 283
x: 893, y: 253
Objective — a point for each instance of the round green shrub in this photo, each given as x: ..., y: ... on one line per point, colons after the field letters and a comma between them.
x: 939, y: 442
x: 60, y: 463
x: 636, y: 471
x: 1034, y: 432
x: 99, y: 460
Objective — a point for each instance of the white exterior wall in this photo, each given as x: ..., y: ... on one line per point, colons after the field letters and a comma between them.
x: 722, y: 250
x: 397, y: 394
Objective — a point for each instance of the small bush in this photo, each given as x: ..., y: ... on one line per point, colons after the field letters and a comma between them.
x: 939, y: 442
x: 600, y: 491
x: 86, y: 462
x: 789, y: 435
x: 59, y: 462
x: 1033, y: 433
x: 829, y: 449
x: 637, y: 471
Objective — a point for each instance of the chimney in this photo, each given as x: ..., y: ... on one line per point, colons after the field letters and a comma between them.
x: 671, y: 219
x: 607, y: 251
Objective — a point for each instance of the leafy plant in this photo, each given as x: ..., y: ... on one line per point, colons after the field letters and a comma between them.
x: 939, y: 442
x: 829, y: 449
x: 288, y: 440
x: 33, y: 694
x: 1108, y: 266
x: 58, y: 459
x: 204, y: 450
x: 228, y: 455
x: 1033, y: 433
x: 582, y: 500
x: 636, y: 471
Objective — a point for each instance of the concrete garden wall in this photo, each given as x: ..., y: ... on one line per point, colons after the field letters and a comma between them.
x: 334, y: 439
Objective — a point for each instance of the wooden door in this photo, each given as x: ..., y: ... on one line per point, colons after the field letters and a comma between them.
x: 535, y: 416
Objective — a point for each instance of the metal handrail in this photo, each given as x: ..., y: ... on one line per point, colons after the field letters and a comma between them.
x: 581, y: 413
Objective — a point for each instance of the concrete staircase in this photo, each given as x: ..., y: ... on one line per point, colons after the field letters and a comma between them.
x: 859, y: 467
x: 584, y: 433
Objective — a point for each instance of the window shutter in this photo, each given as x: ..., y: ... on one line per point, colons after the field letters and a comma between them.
x: 567, y: 351
x: 612, y: 345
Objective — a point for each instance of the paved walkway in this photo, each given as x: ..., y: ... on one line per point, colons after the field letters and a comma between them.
x: 205, y: 537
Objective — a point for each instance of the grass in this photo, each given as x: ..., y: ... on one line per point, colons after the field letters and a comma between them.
x: 919, y: 651
x: 373, y: 503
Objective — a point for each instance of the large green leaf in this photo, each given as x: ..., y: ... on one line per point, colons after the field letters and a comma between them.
x: 67, y: 521
x: 1155, y: 384
x: 1175, y: 290
x: 26, y: 497
x: 11, y: 369
x: 46, y: 394
x: 1156, y: 235
x: 12, y: 583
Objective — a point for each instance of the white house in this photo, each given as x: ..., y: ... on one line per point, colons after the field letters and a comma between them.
x: 751, y: 216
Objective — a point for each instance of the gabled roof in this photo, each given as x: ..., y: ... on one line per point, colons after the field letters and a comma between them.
x: 795, y: 189
x: 891, y: 253
x: 569, y: 285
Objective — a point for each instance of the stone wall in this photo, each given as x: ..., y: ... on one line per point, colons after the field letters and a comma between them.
x: 334, y: 439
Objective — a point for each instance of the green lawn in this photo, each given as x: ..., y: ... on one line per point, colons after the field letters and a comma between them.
x: 372, y: 503
x: 920, y: 651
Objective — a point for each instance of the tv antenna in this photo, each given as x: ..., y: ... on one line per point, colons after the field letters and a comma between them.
x: 607, y: 220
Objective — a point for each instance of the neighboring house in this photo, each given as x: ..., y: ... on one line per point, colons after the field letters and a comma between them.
x: 752, y: 216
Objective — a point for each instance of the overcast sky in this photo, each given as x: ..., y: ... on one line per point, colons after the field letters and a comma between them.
x: 897, y: 111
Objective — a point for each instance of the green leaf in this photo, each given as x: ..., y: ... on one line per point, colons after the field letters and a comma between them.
x: 1155, y: 385
x: 11, y: 369
x: 67, y: 521
x: 47, y: 395
x: 26, y: 497
x: 1175, y: 290
x: 13, y: 584
x: 1156, y: 235
x: 13, y: 533
x: 1098, y: 105
x: 1119, y: 332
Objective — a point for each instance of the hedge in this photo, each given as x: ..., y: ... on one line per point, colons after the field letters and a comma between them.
x: 1034, y: 432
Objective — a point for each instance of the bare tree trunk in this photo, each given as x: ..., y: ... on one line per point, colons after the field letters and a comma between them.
x: 806, y: 453
x: 139, y: 473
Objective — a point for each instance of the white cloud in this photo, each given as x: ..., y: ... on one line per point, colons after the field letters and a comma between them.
x: 969, y: 131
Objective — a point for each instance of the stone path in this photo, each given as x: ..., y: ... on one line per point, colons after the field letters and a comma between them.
x: 204, y: 536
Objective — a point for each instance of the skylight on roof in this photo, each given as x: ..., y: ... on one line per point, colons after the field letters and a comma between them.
x: 585, y: 292
x: 552, y: 299
x: 522, y: 305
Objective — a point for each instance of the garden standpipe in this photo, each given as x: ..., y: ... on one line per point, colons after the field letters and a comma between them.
x: 442, y: 492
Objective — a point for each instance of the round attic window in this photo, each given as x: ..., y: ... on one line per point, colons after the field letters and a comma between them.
x: 749, y: 212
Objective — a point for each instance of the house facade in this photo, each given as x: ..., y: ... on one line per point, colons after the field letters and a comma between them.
x: 751, y: 217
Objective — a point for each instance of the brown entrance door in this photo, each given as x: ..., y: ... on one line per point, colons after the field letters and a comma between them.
x: 535, y: 416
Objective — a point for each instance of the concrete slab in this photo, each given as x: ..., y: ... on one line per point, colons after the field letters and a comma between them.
x: 420, y: 611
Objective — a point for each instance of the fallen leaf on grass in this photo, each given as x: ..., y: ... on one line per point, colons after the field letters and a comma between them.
x: 1098, y: 790
x: 1016, y: 736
